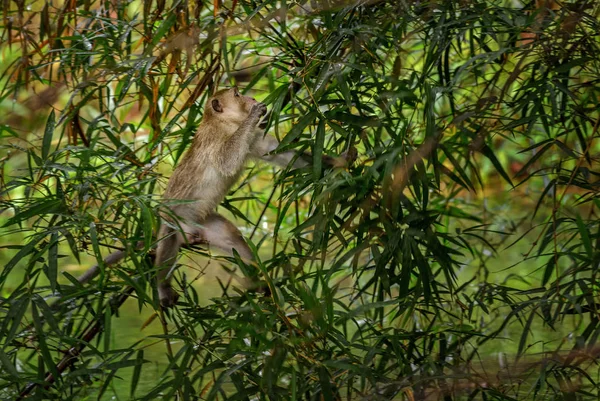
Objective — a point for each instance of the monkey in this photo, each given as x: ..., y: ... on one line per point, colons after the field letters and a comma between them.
x: 230, y: 133
x: 227, y: 137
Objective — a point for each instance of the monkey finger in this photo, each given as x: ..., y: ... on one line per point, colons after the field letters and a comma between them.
x: 260, y: 108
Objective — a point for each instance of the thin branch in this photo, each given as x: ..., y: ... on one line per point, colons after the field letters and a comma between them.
x: 71, y: 356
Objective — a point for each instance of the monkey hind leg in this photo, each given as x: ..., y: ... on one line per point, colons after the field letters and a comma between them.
x: 220, y: 233
x: 166, y: 255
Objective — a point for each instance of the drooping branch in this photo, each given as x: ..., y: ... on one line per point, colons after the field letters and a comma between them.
x: 71, y: 356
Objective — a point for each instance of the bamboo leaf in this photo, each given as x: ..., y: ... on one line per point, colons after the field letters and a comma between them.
x: 585, y: 237
x: 487, y: 152
x: 137, y: 371
x: 53, y: 261
x: 48, y: 133
x: 318, y: 150
x: 299, y: 127
x: 43, y: 346
x: 8, y: 365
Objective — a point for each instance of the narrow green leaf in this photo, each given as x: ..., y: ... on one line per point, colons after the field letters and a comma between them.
x: 24, y: 251
x: 53, y: 261
x: 487, y: 152
x: 8, y: 365
x: 107, y: 330
x: 457, y: 167
x: 43, y: 206
x: 164, y: 27
x: 318, y: 150
x: 569, y: 152
x: 71, y: 242
x: 549, y: 186
x: 525, y: 333
x: 565, y: 67
x: 351, y: 119
x: 105, y: 383
x: 14, y: 318
x: 326, y: 390
x: 536, y: 156
x: 299, y: 127
x: 147, y: 224
x: 343, y: 85
x: 43, y: 346
x: 549, y: 269
x: 48, y: 314
x: 585, y: 236
x: 137, y: 371
x: 48, y: 132
x: 536, y: 145
x: 96, y: 248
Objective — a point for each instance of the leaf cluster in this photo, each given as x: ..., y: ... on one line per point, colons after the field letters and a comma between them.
x: 380, y: 277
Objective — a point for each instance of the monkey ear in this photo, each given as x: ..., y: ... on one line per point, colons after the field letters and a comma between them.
x: 217, y: 106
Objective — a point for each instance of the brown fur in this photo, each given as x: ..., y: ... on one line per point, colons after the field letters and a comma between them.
x: 226, y: 138
x: 224, y: 141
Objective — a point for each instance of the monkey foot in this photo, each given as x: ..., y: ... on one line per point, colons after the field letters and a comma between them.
x: 168, y: 296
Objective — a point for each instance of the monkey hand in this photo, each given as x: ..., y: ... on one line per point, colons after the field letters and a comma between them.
x: 258, y: 110
x: 167, y: 295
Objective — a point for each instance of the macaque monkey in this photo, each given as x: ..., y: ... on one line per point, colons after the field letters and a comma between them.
x: 227, y: 137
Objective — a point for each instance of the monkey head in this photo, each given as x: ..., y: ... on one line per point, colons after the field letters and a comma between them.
x: 229, y: 105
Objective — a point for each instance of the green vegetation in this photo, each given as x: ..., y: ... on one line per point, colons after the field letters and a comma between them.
x: 456, y: 258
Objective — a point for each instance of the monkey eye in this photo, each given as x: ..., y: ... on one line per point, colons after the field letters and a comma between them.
x: 236, y: 93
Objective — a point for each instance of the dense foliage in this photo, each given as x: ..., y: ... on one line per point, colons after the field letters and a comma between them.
x: 475, y: 125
